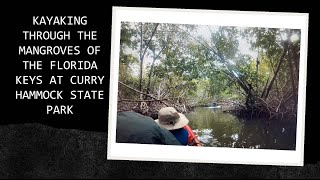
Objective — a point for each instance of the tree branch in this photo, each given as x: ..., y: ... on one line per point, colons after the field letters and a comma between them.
x: 149, y: 95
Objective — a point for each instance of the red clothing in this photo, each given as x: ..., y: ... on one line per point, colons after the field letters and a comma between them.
x: 192, y: 139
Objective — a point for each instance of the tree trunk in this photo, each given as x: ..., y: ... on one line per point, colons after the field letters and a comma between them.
x: 285, y: 48
x: 150, y: 73
x: 155, y: 57
x: 294, y: 89
x: 141, y: 59
x: 295, y: 58
x: 265, y: 88
x: 257, y: 73
x: 142, y: 54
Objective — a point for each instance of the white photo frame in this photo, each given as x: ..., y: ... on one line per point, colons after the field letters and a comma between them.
x: 146, y: 152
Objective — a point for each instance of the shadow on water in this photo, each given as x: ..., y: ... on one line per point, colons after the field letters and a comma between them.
x: 219, y: 129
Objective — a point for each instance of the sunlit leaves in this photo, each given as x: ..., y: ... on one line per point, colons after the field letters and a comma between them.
x: 225, y: 41
x: 208, y: 67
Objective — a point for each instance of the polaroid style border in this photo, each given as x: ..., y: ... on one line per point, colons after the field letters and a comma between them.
x: 170, y: 153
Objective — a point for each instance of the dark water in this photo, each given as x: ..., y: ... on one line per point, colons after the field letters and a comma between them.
x: 219, y: 129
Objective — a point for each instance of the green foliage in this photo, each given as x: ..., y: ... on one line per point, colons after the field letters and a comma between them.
x: 225, y: 41
x: 179, y: 62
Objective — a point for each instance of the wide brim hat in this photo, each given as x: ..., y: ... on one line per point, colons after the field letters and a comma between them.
x: 170, y: 119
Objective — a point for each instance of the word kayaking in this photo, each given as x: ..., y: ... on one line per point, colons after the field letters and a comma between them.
x: 59, y: 20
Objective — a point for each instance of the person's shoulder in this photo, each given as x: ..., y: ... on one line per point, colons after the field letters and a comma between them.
x: 135, y: 117
x: 132, y: 114
x: 144, y: 128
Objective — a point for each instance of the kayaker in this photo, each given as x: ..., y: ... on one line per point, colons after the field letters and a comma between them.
x: 177, y: 123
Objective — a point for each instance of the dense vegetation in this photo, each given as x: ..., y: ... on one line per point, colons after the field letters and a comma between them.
x: 189, y: 65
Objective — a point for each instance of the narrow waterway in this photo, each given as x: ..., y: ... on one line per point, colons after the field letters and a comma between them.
x: 219, y: 129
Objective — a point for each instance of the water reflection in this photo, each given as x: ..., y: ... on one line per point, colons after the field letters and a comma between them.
x: 218, y: 129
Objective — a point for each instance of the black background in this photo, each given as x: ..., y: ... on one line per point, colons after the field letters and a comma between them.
x: 87, y: 114
x: 93, y: 115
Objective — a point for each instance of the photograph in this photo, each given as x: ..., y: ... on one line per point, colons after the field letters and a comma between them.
x: 208, y: 84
